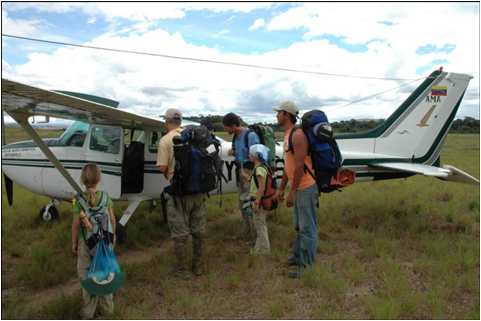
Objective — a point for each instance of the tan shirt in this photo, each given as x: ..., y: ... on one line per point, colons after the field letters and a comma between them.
x: 165, y: 152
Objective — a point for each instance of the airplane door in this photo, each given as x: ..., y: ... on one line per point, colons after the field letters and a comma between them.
x: 104, y: 149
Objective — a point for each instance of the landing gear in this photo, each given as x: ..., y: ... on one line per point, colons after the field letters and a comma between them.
x: 49, y: 212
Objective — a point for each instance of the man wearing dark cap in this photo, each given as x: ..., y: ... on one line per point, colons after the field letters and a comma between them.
x: 243, y: 139
x: 186, y: 214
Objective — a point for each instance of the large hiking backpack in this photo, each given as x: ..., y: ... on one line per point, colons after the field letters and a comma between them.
x: 100, y: 219
x: 323, y: 150
x: 266, y: 138
x: 268, y: 201
x: 196, y: 169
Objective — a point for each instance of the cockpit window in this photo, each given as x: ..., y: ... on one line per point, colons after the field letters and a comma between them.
x: 74, y: 135
x: 106, y: 139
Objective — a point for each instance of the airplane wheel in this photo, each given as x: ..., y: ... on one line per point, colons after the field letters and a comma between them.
x: 50, y: 215
x: 121, y: 233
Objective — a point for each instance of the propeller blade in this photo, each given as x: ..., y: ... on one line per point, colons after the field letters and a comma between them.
x: 9, y: 188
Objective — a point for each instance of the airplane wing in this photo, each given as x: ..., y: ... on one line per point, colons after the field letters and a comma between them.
x: 20, y: 99
x: 447, y: 172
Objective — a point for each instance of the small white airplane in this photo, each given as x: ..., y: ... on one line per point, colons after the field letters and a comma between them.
x: 125, y: 144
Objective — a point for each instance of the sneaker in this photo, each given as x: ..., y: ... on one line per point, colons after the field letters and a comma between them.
x: 295, y: 272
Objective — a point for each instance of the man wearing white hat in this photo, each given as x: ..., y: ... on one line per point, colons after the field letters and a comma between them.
x: 303, y: 194
x: 186, y: 215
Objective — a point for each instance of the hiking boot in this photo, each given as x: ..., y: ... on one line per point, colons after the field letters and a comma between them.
x: 180, y: 270
x: 295, y: 272
x: 197, y: 264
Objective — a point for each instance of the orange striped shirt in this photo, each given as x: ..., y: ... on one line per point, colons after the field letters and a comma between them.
x: 290, y: 165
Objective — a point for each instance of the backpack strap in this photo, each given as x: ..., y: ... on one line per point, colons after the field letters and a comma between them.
x: 246, y: 138
x: 290, y: 148
x: 269, y: 173
x: 83, y: 203
x: 290, y: 145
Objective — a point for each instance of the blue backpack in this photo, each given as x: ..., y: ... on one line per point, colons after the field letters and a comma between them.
x: 323, y: 150
x: 196, y: 169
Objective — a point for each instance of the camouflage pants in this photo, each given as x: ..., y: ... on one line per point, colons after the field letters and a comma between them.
x: 90, y: 302
x: 186, y: 214
x: 245, y: 207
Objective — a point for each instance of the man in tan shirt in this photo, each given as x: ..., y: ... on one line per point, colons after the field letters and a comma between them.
x: 186, y: 214
x: 165, y: 152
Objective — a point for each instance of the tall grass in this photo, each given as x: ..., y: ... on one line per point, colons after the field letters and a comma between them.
x: 405, y: 248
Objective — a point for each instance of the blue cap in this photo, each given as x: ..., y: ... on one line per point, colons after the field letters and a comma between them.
x: 260, y: 151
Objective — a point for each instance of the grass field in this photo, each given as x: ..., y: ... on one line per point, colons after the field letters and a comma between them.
x: 401, y: 249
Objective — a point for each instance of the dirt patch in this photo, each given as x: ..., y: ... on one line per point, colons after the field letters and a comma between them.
x: 43, y: 296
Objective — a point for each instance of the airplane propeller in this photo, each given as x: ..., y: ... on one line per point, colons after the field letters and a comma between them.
x: 8, y: 181
x: 9, y: 189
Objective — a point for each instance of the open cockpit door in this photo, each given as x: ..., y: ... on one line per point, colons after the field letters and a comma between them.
x: 133, y: 161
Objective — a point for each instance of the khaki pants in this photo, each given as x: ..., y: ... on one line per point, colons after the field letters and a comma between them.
x: 90, y: 302
x: 186, y: 214
x: 245, y: 207
x: 262, y: 245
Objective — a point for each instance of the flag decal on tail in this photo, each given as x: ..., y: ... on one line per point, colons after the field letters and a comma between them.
x: 439, y: 91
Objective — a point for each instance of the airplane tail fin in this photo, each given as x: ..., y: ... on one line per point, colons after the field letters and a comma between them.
x: 418, y: 128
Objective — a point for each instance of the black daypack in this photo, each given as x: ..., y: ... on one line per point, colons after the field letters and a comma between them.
x: 196, y: 169
x: 323, y: 150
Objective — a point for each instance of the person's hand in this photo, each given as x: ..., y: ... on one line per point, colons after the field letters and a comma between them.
x: 230, y: 152
x: 280, y: 195
x: 257, y: 204
x: 290, y: 199
x: 75, y: 248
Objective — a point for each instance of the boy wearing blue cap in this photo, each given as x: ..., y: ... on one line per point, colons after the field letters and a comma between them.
x: 258, y: 154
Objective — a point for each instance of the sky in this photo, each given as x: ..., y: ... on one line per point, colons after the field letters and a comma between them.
x: 381, y: 40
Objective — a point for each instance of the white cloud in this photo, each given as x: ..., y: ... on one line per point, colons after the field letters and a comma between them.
x: 259, y: 23
x: 136, y: 11
x: 149, y: 85
x: 20, y: 27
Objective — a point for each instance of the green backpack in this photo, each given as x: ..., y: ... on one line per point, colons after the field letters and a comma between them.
x: 100, y: 219
x: 267, y: 138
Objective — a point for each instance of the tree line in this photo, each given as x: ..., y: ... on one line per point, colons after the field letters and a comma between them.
x: 463, y: 126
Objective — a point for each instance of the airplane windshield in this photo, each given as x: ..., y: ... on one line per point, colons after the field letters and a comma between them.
x: 74, y: 135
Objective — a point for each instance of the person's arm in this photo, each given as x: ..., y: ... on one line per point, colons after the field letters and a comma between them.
x: 75, y: 228
x: 300, y: 145
x: 163, y: 155
x: 282, y: 187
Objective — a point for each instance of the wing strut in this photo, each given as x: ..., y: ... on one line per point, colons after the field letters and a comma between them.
x: 22, y: 119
